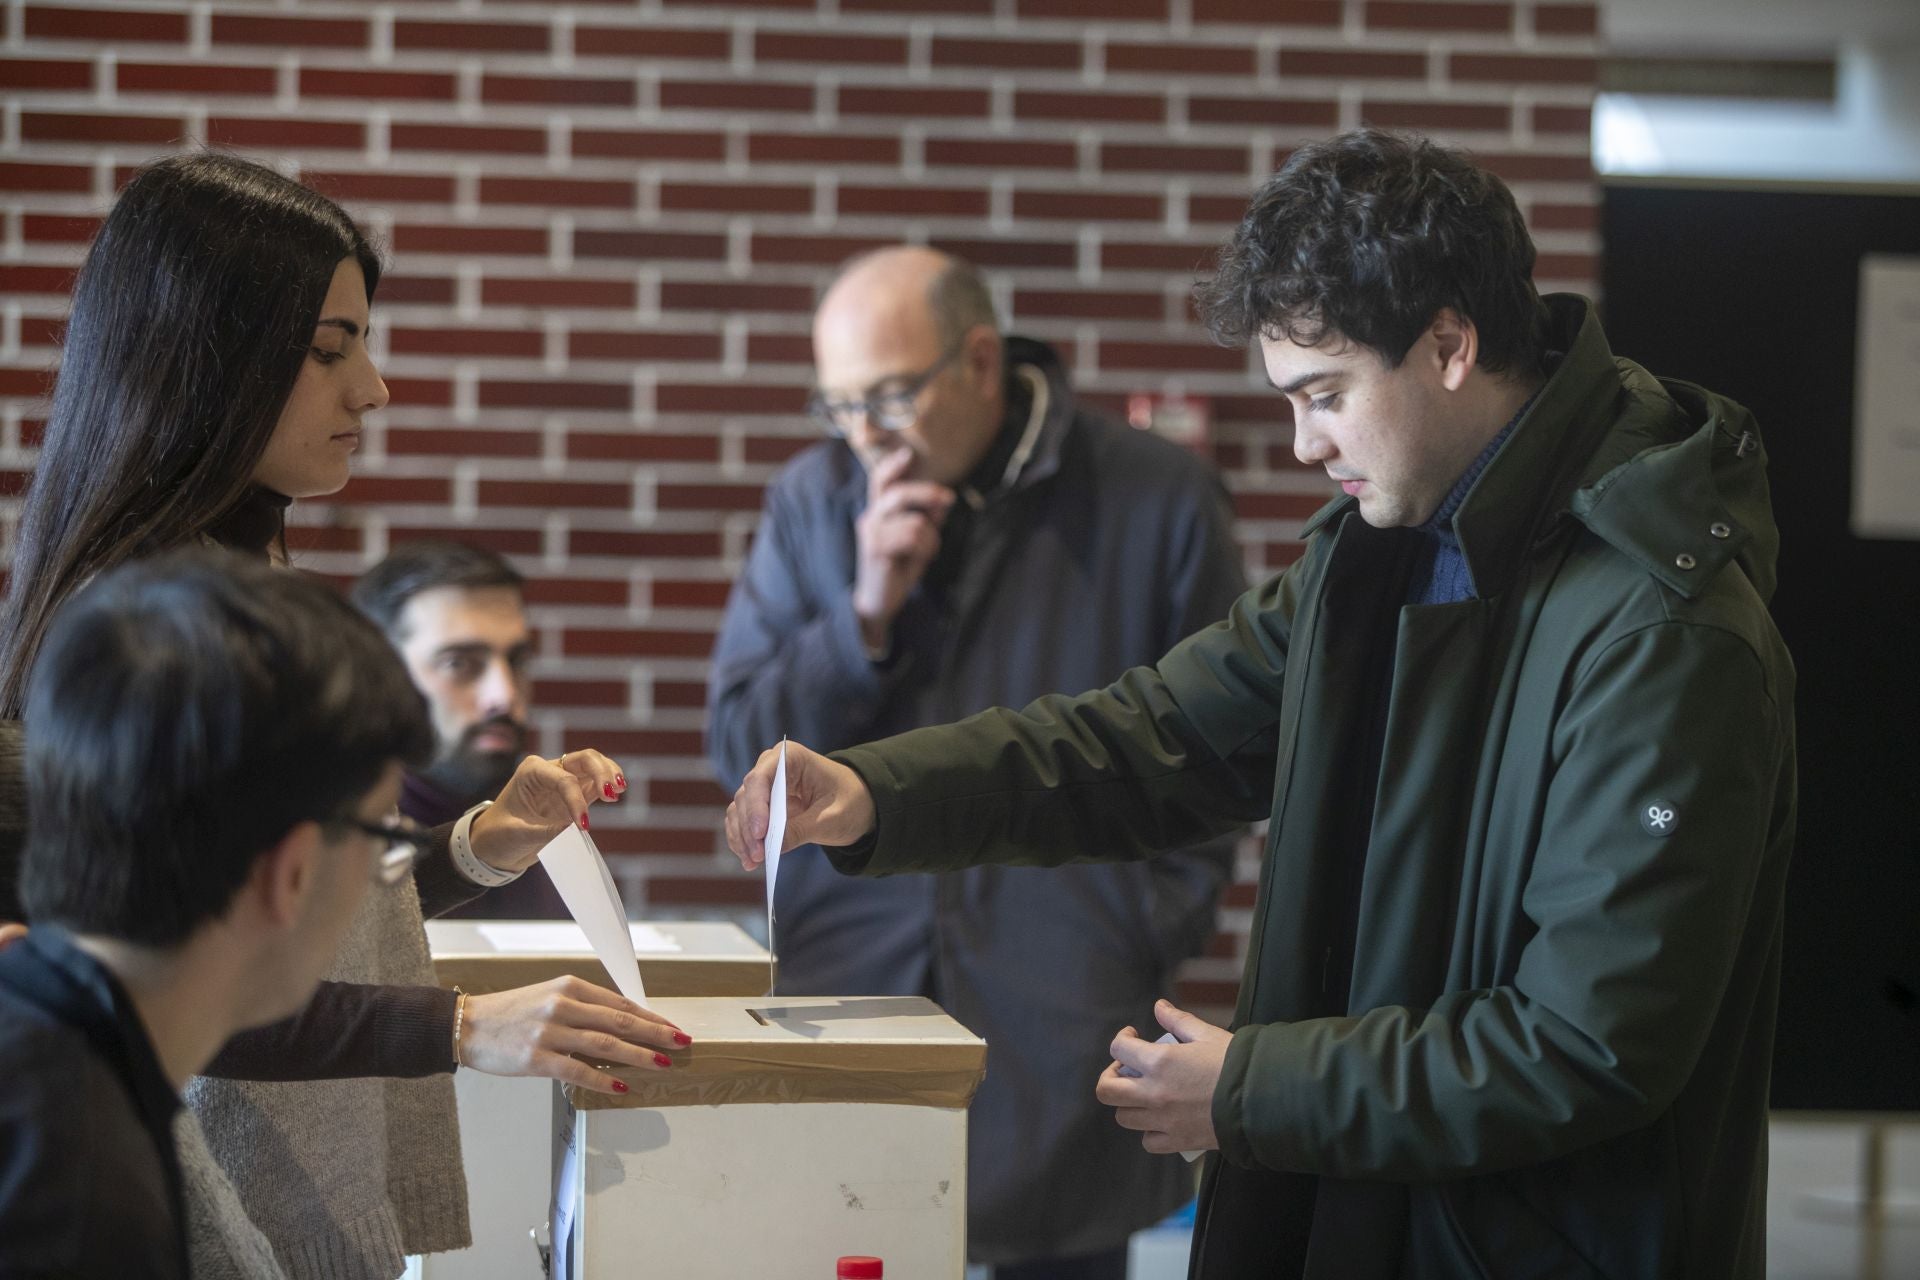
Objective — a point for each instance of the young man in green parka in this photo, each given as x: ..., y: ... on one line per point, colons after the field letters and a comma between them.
x: 1524, y: 731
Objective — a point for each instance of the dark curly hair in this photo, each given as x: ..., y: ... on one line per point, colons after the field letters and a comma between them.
x: 1366, y: 237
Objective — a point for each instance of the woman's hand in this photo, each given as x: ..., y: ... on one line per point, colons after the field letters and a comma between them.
x: 535, y: 1031
x: 538, y: 802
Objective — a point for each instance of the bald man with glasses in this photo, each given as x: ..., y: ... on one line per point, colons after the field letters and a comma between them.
x: 969, y: 536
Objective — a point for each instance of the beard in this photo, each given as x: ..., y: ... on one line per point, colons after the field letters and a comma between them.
x: 469, y: 773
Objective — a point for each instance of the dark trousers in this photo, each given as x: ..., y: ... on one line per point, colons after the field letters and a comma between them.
x: 1109, y: 1265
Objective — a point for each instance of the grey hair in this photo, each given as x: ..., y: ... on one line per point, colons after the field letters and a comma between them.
x: 959, y: 300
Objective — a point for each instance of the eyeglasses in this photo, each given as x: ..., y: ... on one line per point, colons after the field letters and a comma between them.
x: 406, y: 843
x: 890, y: 403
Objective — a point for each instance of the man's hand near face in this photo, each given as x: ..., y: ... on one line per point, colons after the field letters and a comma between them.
x: 898, y: 536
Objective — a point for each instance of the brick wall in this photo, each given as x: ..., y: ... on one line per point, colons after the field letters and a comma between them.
x: 608, y: 224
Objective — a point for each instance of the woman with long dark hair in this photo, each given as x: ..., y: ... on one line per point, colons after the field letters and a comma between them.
x: 216, y: 368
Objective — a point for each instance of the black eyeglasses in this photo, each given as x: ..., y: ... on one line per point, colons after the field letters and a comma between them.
x: 890, y: 403
x: 406, y: 843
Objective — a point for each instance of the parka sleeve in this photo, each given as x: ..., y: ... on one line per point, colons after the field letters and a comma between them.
x: 1664, y: 836
x: 1166, y: 756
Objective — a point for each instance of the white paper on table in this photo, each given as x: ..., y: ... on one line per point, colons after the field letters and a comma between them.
x: 776, y: 836
x: 559, y: 937
x: 1129, y: 1072
x: 580, y: 874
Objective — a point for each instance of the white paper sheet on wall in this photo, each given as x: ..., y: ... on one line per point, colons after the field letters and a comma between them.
x: 577, y: 870
x: 776, y: 836
x: 562, y: 937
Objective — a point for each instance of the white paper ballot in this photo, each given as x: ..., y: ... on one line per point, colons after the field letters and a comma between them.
x: 776, y: 836
x: 1131, y: 1074
x: 561, y: 937
x: 586, y: 886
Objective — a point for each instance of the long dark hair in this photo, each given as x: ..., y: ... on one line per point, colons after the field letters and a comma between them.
x: 190, y: 319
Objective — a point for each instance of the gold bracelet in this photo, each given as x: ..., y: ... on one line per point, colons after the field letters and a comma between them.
x: 459, y: 1019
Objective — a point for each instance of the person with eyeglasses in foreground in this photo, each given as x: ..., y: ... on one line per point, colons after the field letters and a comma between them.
x: 215, y: 756
x: 973, y: 534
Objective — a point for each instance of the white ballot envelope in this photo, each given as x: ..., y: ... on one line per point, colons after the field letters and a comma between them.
x: 776, y: 836
x: 574, y: 864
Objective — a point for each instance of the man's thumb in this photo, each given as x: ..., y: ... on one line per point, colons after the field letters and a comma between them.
x: 1185, y: 1026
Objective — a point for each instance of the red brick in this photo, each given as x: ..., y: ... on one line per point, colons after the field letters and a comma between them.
x: 58, y: 22
x: 414, y: 393
x: 1047, y: 55
x: 700, y: 295
x: 703, y: 891
x: 1564, y: 217
x: 638, y: 641
x: 63, y: 178
x: 33, y: 384
x: 54, y: 228
x: 1352, y: 64
x: 822, y: 148
x: 462, y: 442
x: 1092, y: 304
x: 1012, y: 253
x: 500, y: 139
x: 579, y: 693
x: 340, y: 82
x: 648, y: 245
x: 774, y: 450
x: 685, y: 793
x: 736, y: 197
x: 1555, y: 119
x: 383, y: 186
x: 1277, y: 506
x: 777, y: 348
x: 727, y: 397
x: 47, y: 126
x: 33, y: 279
x: 653, y: 43
x: 1197, y: 993
x: 1001, y: 153
x: 1076, y: 206
x: 364, y: 490
x: 669, y: 594
x: 507, y: 542
x: 1154, y: 157
x: 1175, y: 356
x: 1109, y: 10
x: 708, y: 497
x: 600, y: 591
x: 1135, y: 108
x: 1567, y: 19
x: 1489, y: 116
x: 279, y: 32
x: 834, y: 47
x: 496, y: 37
x: 918, y: 201
x: 442, y: 340
x: 681, y: 693
x: 427, y: 290
x: 636, y: 742
x: 467, y: 239
x: 649, y: 144
x: 918, y: 8
x: 548, y: 394
x: 1540, y: 168
x: 657, y: 840
x: 1272, y: 13
x: 572, y: 91
x: 588, y: 345
x: 1307, y: 113
x: 1216, y: 209
x: 641, y: 446
x: 45, y: 75
x: 42, y: 331
x: 196, y: 78
x: 559, y: 193
x: 554, y: 493
x: 1427, y: 15
x: 1520, y: 68
x: 315, y: 538
x: 631, y: 544
x: 1566, y: 266
x: 1141, y: 255
x: 274, y: 133
x: 819, y: 250
x: 735, y: 95
x: 948, y: 104
x: 1177, y: 59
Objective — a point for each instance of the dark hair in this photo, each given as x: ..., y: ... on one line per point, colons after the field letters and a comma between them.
x: 190, y: 319
x: 959, y: 300
x: 383, y: 591
x: 1369, y: 235
x: 186, y: 713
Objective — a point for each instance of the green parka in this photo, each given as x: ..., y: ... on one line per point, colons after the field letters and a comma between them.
x: 1553, y: 1059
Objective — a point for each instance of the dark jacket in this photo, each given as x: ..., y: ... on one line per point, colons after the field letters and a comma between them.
x: 1110, y: 545
x: 89, y: 1182
x: 1554, y: 1059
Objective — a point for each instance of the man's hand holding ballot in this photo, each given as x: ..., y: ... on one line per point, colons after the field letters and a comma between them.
x: 827, y: 803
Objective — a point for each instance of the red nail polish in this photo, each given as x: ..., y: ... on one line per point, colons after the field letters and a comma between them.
x: 621, y: 778
x: 619, y: 1086
x: 682, y: 1039
x: 662, y: 1061
x: 583, y: 822
x: 606, y: 789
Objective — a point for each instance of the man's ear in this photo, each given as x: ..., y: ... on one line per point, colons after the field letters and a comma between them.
x: 981, y: 352
x: 285, y: 875
x: 1456, y: 347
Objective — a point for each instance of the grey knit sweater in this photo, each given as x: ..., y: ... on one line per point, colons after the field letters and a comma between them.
x: 346, y: 1177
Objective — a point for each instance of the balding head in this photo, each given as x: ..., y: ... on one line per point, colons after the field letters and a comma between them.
x: 891, y: 315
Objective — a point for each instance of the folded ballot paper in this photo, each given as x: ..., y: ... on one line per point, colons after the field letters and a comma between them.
x: 776, y: 836
x: 574, y: 864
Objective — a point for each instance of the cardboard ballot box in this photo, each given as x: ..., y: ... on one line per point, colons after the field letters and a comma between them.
x: 795, y: 1130
x: 506, y: 1124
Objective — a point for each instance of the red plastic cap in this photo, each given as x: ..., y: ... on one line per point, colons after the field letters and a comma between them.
x: 858, y: 1269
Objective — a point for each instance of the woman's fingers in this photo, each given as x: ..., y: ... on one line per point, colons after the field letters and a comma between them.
x: 600, y: 778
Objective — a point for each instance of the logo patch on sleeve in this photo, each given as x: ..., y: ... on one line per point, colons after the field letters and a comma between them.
x: 1659, y: 818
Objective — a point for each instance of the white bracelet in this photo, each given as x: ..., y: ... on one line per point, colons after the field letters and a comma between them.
x: 469, y: 864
